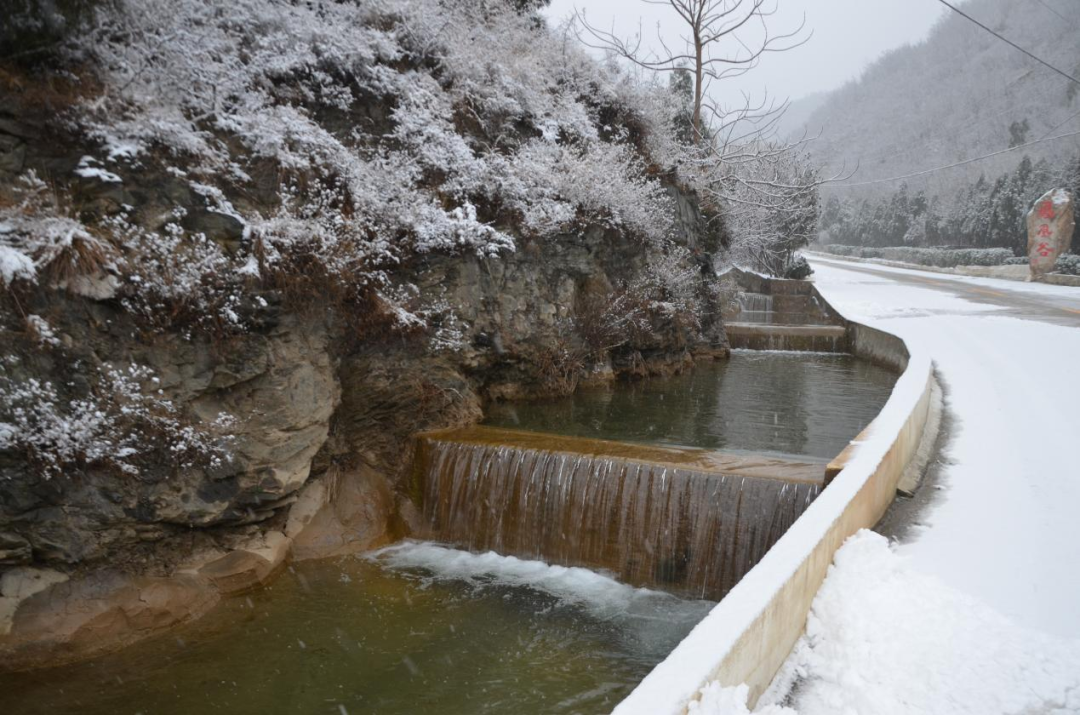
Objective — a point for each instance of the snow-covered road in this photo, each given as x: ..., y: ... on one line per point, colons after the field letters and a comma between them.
x: 979, y: 609
x: 1006, y: 527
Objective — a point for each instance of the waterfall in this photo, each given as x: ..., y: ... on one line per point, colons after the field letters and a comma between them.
x: 692, y: 532
x: 755, y: 308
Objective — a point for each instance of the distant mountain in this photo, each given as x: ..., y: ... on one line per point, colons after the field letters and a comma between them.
x: 959, y: 94
x: 799, y: 112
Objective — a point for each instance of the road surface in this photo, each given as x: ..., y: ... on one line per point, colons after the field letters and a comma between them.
x: 1058, y: 305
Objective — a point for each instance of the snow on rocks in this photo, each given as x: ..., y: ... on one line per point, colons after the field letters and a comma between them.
x: 44, y: 332
x: 90, y: 168
x: 15, y: 264
x: 447, y: 162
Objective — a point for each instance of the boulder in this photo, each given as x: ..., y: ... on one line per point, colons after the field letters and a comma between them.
x: 1050, y: 228
x: 248, y: 567
x: 355, y: 518
x: 103, y: 611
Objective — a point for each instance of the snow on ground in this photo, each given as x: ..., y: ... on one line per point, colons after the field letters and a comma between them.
x: 886, y: 639
x: 1045, y: 290
x: 980, y: 612
x: 1006, y: 522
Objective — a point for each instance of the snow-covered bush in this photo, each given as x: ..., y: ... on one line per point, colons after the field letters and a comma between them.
x: 548, y: 185
x: 117, y: 425
x: 939, y: 257
x: 670, y: 283
x: 771, y: 205
x: 394, y: 128
x: 1069, y: 264
x: 195, y: 72
x: 670, y: 287
x: 38, y: 235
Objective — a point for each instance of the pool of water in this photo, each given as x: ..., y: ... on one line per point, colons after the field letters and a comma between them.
x: 806, y: 404
x: 417, y: 628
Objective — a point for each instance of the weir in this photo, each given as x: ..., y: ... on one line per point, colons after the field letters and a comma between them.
x: 755, y: 307
x: 773, y: 314
x: 688, y: 521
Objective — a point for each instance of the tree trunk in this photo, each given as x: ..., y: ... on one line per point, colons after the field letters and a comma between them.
x: 699, y: 71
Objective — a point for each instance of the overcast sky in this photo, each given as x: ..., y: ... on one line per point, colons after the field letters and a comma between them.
x: 847, y: 36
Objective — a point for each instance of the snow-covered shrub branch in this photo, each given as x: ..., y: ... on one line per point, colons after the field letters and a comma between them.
x: 393, y: 128
x: 670, y: 287
x: 117, y: 425
x: 39, y: 236
x: 771, y: 207
x: 188, y: 75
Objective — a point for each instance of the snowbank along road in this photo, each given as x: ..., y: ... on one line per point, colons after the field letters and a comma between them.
x: 978, y: 610
x: 1006, y: 526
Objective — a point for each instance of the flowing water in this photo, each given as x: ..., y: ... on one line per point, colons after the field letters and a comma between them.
x: 654, y: 516
x: 755, y: 308
x: 806, y: 404
x: 687, y: 531
x: 419, y: 628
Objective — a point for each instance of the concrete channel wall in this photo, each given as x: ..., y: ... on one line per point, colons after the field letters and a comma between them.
x: 751, y: 632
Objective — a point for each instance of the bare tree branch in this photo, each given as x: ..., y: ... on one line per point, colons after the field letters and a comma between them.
x: 712, y: 46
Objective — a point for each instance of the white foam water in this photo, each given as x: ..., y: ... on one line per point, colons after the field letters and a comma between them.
x: 648, y: 614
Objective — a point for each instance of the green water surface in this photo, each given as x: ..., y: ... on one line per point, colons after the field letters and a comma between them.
x: 351, y: 637
x: 805, y: 404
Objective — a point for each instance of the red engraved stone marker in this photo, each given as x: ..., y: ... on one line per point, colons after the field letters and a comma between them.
x: 1050, y: 227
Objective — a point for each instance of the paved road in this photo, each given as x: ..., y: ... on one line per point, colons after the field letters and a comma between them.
x: 1052, y: 304
x: 1004, y: 526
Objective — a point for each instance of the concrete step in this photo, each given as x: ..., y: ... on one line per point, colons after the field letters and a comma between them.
x: 785, y: 287
x: 810, y: 338
x: 792, y: 303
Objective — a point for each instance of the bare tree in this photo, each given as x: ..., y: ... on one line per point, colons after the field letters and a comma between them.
x: 722, y: 39
x: 771, y: 211
x: 766, y: 190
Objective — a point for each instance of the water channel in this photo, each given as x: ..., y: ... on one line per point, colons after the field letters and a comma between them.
x: 792, y: 404
x: 416, y: 628
x: 421, y: 627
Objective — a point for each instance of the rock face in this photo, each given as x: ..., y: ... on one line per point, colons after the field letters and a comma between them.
x: 321, y: 421
x: 1050, y: 229
x: 283, y: 384
x: 291, y: 386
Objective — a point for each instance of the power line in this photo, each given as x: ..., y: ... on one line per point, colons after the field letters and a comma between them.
x: 1007, y: 40
x: 1060, y: 125
x: 1043, y: 3
x: 953, y: 166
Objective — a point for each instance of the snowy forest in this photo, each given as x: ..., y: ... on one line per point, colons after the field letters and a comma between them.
x: 959, y: 95
x: 981, y: 214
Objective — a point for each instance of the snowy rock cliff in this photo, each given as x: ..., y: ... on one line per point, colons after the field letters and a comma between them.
x: 247, y: 252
